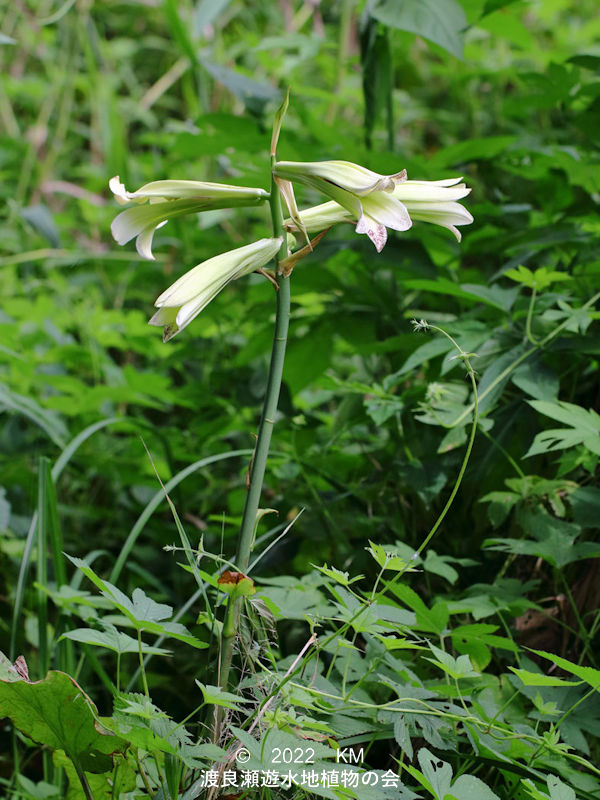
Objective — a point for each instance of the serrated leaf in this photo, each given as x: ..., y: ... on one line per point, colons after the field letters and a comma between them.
x: 216, y: 696
x: 540, y: 679
x: 141, y: 611
x: 584, y: 428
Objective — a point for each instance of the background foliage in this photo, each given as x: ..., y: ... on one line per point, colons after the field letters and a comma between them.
x: 374, y: 417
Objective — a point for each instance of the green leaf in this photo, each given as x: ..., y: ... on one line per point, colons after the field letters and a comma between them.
x: 584, y: 428
x: 38, y: 791
x: 56, y: 713
x: 536, y: 380
x: 387, y: 559
x: 440, y: 21
x: 206, y: 12
x: 141, y: 611
x: 105, y: 786
x: 468, y: 787
x: 555, y: 540
x: 590, y: 675
x: 448, y: 288
x: 377, y: 72
x: 437, y: 772
x: 432, y: 620
x: 559, y: 790
x: 48, y: 420
x: 541, y: 279
x: 219, y: 697
x: 457, y: 668
x: 112, y: 639
x: 477, y: 640
x: 254, y: 94
x: 541, y: 679
x: 494, y: 5
x: 42, y: 221
x: 338, y: 576
x: 437, y: 776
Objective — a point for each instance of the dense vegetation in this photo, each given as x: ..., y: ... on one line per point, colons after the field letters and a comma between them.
x: 453, y: 647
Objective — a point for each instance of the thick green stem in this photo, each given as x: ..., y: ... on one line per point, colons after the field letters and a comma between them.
x: 265, y: 430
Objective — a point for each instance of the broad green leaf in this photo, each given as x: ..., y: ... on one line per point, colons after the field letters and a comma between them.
x: 477, y: 640
x: 440, y: 21
x: 537, y: 380
x: 559, y: 790
x: 437, y: 778
x: 38, y: 791
x: 469, y: 787
x: 56, y: 713
x: 112, y: 639
x: 448, y: 288
x: 432, y: 620
x: 437, y: 772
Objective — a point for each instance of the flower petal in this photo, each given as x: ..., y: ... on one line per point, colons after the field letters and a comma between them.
x: 182, y: 190
x: 344, y: 174
x: 134, y: 220
x: 189, y: 295
x: 440, y: 213
x: 225, y: 266
x: 317, y: 218
x: 387, y: 210
x: 431, y: 191
x: 376, y: 232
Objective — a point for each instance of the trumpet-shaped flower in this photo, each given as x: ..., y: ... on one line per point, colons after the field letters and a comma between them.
x: 367, y: 196
x: 159, y: 201
x: 185, y: 299
x: 425, y: 201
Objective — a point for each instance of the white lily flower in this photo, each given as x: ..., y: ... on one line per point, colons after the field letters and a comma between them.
x: 366, y: 195
x: 435, y: 202
x: 168, y: 199
x: 185, y: 299
x: 425, y: 201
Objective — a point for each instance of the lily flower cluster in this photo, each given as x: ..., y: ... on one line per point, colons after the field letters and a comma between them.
x: 374, y: 202
x: 371, y: 201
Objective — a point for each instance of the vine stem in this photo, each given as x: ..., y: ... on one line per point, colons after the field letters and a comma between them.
x: 265, y: 430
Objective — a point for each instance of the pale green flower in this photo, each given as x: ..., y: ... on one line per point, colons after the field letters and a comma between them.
x: 367, y: 196
x: 185, y: 299
x: 424, y: 201
x: 159, y: 201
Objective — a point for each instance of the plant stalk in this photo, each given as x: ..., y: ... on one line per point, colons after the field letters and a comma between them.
x: 265, y: 430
